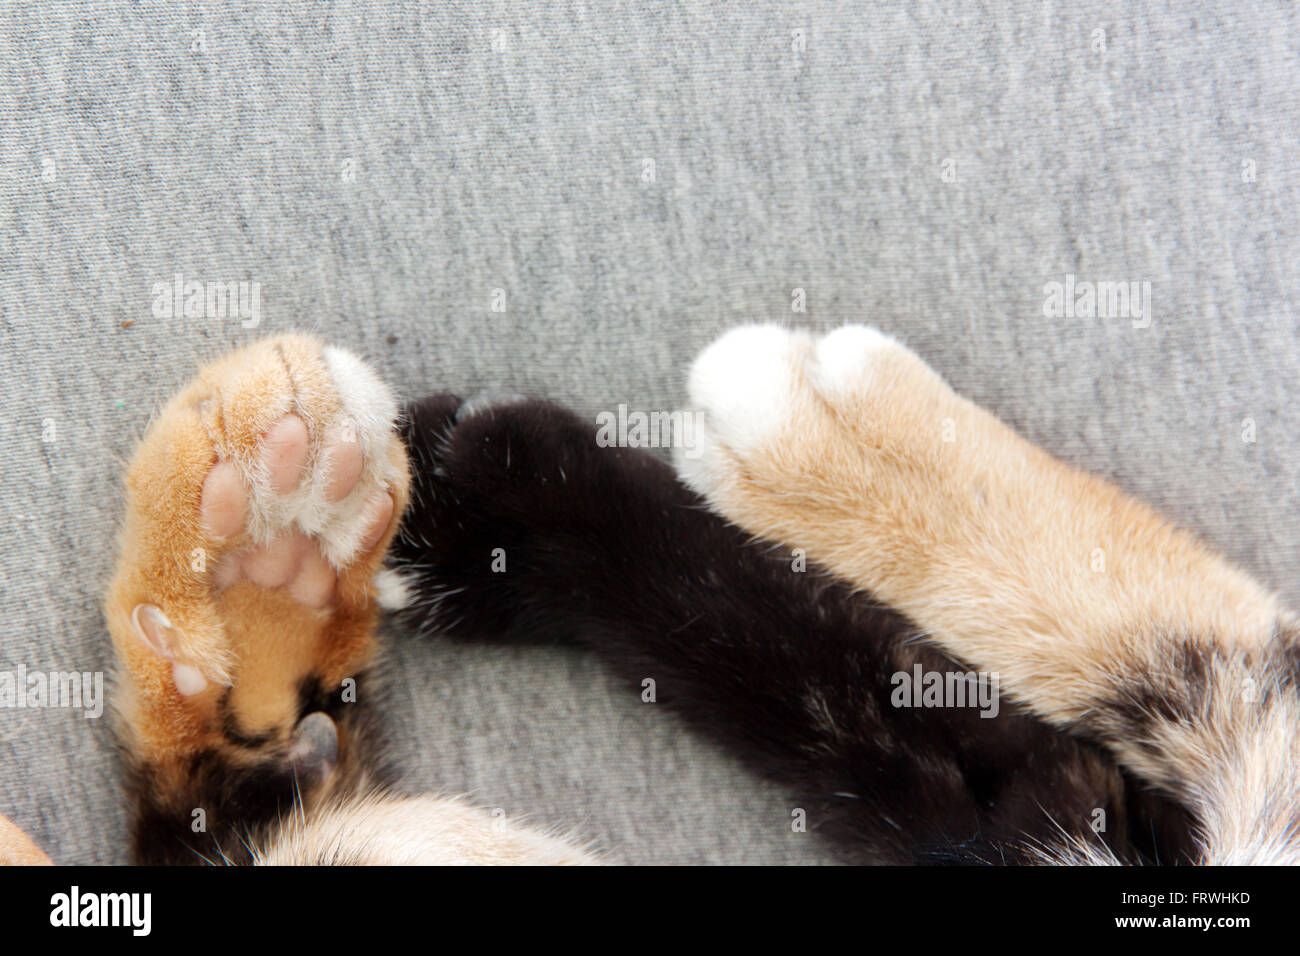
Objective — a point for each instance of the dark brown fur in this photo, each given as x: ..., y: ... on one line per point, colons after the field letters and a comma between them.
x: 247, y: 787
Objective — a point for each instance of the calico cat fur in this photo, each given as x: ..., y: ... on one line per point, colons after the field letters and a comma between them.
x: 789, y: 669
x: 243, y: 610
x: 1101, y: 617
x: 233, y: 667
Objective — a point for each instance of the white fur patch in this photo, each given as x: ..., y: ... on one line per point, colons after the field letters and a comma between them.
x: 745, y: 383
x: 745, y: 387
x: 392, y: 590
x: 754, y: 382
x: 701, y: 470
x: 845, y: 359
x: 369, y: 411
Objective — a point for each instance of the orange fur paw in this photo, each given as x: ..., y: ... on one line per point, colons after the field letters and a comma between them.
x: 795, y: 430
x: 1093, y: 611
x: 851, y: 447
x: 259, y: 505
x: 856, y: 450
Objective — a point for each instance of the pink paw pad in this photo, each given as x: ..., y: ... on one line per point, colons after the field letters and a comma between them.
x: 342, y: 453
x: 224, y: 504
x: 291, y: 560
x: 284, y: 452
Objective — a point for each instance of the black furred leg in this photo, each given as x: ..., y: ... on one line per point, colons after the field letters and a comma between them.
x: 522, y: 528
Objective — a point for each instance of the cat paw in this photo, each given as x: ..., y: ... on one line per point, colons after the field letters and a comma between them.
x: 258, y: 507
x: 504, y: 492
x: 779, y: 404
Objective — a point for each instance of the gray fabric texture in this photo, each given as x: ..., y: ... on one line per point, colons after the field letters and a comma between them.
x: 381, y: 168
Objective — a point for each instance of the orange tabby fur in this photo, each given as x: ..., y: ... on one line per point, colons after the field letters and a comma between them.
x: 852, y: 448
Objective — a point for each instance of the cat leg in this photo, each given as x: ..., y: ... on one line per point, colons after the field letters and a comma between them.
x: 522, y: 528
x: 243, y: 612
x: 241, y: 608
x: 393, y: 829
x: 1097, y: 614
